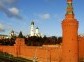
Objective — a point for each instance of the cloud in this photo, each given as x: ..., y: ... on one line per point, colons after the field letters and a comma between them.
x: 2, y: 28
x: 7, y: 1
x: 14, y: 11
x: 45, y: 16
x: 10, y: 12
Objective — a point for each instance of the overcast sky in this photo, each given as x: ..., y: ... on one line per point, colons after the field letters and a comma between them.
x: 47, y: 14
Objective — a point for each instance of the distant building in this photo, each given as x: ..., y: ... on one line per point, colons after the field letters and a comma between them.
x: 3, y: 36
x: 37, y: 33
x: 34, y: 31
x: 12, y: 34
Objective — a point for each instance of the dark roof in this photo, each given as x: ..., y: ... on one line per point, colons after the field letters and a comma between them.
x: 32, y: 23
x: 37, y: 28
x: 12, y: 31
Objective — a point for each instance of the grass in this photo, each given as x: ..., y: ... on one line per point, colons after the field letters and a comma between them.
x: 5, y: 57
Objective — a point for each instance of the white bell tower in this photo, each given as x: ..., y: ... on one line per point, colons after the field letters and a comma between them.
x: 37, y: 31
x: 32, y: 30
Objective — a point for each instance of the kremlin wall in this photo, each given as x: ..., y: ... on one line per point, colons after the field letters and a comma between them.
x: 71, y: 49
x: 81, y: 47
x: 45, y: 53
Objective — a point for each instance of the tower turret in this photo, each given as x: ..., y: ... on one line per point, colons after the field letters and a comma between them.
x: 70, y: 35
x: 69, y: 10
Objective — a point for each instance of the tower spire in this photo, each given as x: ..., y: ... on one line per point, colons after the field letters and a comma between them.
x: 69, y: 13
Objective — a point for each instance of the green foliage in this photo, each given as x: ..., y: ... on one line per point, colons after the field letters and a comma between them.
x: 5, y: 57
x: 59, y: 40
x: 13, y: 37
x: 20, y: 35
x: 39, y: 41
x: 7, y: 42
x: 33, y: 41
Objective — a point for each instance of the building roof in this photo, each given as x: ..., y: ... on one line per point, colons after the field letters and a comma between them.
x: 37, y: 28
x: 32, y: 23
x: 12, y: 31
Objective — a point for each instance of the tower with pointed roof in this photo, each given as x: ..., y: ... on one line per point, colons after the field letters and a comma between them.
x: 32, y: 30
x: 37, y: 32
x: 70, y: 35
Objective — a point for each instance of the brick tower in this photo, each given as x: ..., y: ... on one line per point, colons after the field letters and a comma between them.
x: 70, y: 35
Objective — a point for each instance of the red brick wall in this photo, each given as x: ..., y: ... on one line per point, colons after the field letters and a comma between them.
x: 81, y: 47
x: 45, y: 53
